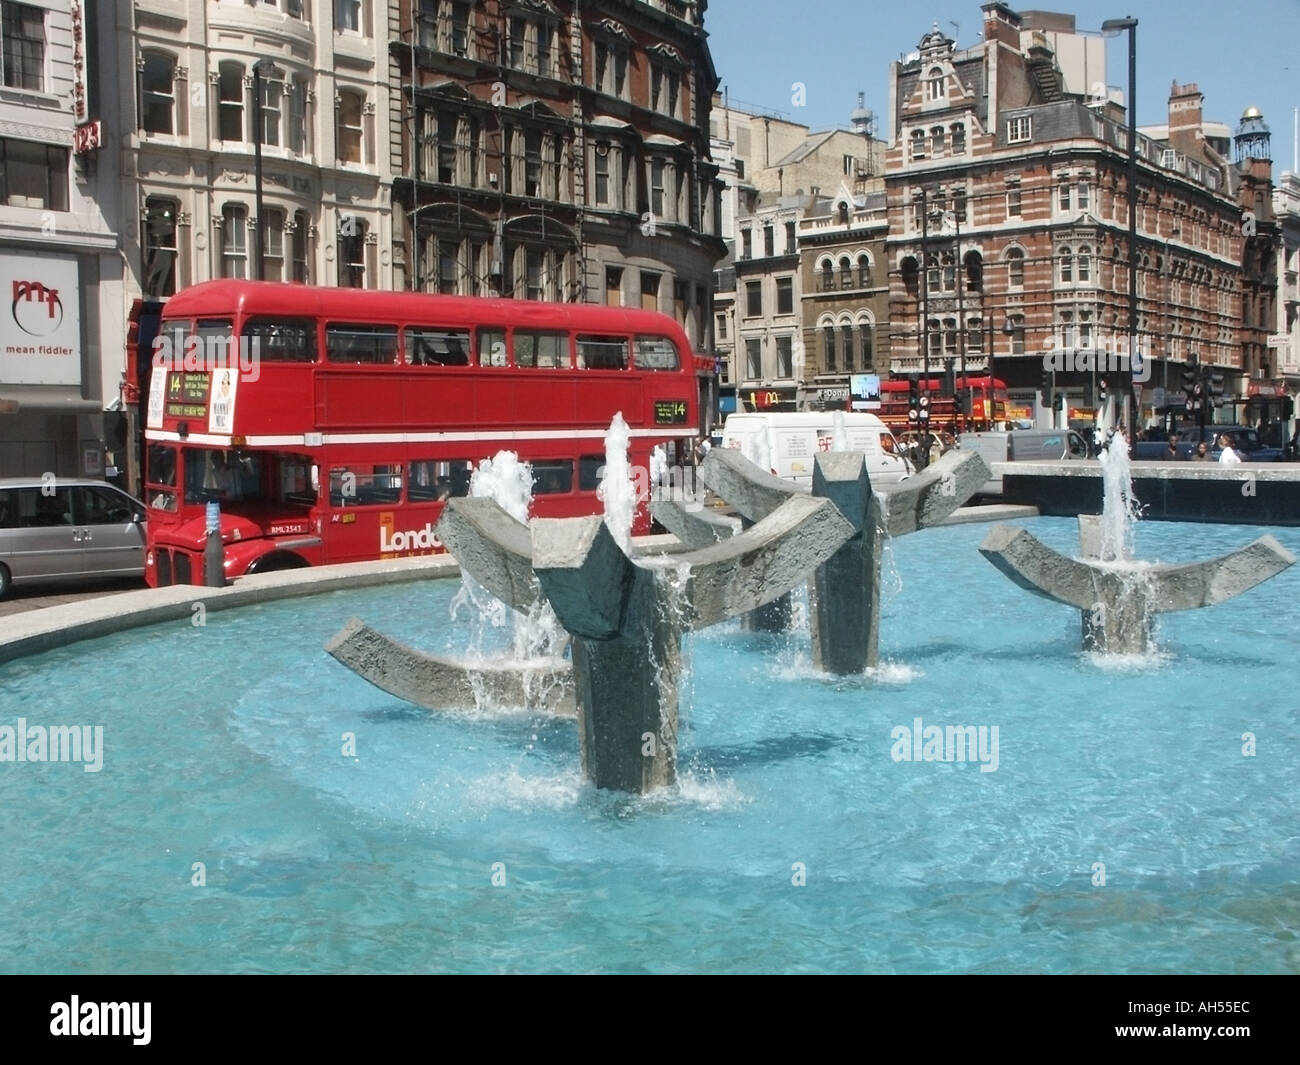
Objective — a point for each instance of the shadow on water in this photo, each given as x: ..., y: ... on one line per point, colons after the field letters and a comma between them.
x: 761, y: 752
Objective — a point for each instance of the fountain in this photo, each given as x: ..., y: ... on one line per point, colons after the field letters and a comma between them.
x: 1118, y: 597
x: 846, y: 589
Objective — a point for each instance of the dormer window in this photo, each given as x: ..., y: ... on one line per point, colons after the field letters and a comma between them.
x: 934, y: 84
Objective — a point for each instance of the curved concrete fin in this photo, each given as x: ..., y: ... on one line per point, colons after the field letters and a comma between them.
x: 1038, y: 569
x: 763, y: 562
x: 437, y: 684
x: 752, y: 492
x: 584, y: 574
x: 492, y: 547
x: 928, y: 497
x: 843, y: 478
x: 1218, y: 579
x: 694, y: 528
x: 1090, y: 535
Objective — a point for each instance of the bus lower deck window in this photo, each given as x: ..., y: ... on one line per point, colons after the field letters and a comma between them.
x: 591, y: 468
x: 433, y: 480
x: 552, y: 476
x: 364, y: 485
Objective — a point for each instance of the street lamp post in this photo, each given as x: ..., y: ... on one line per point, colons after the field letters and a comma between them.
x: 1110, y: 28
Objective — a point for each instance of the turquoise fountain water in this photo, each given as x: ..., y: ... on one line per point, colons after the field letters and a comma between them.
x: 793, y: 841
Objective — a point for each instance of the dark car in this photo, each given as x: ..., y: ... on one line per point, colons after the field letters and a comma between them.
x: 1245, y: 442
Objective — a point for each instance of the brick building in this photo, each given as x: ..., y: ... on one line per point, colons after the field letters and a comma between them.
x: 1025, y: 153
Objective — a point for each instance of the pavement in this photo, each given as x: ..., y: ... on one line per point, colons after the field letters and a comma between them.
x: 21, y: 599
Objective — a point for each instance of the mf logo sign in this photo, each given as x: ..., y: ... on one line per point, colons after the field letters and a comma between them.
x: 40, y: 343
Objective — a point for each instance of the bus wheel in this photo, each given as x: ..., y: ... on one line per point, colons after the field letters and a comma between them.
x: 276, y: 561
x: 5, y: 580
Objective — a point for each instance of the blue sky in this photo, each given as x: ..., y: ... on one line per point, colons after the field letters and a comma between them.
x: 1240, y: 53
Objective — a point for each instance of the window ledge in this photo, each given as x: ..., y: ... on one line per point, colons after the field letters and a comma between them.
x: 29, y: 98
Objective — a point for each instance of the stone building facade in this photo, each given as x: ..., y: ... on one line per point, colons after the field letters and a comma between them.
x: 555, y: 150
x: 60, y: 270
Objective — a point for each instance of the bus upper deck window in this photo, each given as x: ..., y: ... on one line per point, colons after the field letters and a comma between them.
x: 656, y: 353
x: 281, y: 339
x: 437, y: 347
x: 491, y: 347
x: 361, y: 343
x: 602, y: 352
x: 545, y: 350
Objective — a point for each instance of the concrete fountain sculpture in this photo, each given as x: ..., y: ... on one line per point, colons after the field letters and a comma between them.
x: 625, y: 616
x: 1118, y: 597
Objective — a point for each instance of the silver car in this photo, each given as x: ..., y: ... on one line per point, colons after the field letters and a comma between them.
x: 65, y: 529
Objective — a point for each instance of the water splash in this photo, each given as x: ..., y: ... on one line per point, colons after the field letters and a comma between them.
x: 839, y: 432
x: 758, y: 450
x: 534, y: 641
x: 617, y: 490
x: 1120, y: 510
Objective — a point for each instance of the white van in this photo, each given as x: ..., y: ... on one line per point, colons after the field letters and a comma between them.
x: 789, y: 443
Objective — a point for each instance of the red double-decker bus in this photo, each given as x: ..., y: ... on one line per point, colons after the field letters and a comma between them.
x: 330, y: 425
x: 988, y: 403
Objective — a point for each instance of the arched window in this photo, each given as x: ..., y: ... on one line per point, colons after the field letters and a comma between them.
x: 230, y: 88
x: 1067, y: 265
x: 958, y: 132
x: 846, y: 273
x: 867, y: 345
x: 157, y: 98
x: 936, y: 141
x: 934, y: 84
x: 918, y: 144
x: 828, y: 276
x: 932, y: 272
x: 843, y: 212
x: 974, y: 271
x: 1085, y: 264
x: 949, y: 271
x: 1015, y: 268
x: 159, y: 246
x: 934, y: 338
x: 828, y: 339
x: 846, y: 345
x: 864, y: 272
x: 1017, y: 323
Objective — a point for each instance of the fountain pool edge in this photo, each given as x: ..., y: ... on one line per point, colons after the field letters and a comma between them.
x: 37, y: 631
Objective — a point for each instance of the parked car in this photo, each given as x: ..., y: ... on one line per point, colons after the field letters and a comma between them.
x: 1245, y: 442
x: 66, y: 530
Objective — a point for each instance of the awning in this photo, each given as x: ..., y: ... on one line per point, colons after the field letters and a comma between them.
x: 50, y: 400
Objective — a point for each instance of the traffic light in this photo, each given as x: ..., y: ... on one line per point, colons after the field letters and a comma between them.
x: 1087, y: 395
x: 1285, y: 409
x: 913, y: 398
x: 1045, y: 383
x: 1216, y: 389
x: 1058, y: 401
x: 950, y: 380
x: 963, y: 403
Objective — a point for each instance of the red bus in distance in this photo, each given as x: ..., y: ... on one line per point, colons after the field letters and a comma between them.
x: 988, y: 403
x: 331, y: 424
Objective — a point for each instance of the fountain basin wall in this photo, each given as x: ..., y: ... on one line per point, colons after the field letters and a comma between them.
x: 1263, y: 493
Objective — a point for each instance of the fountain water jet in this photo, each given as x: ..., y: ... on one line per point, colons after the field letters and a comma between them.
x: 1117, y: 596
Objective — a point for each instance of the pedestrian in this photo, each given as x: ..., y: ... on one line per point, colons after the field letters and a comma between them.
x: 1227, y: 456
x: 1202, y: 452
x: 1171, y: 452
